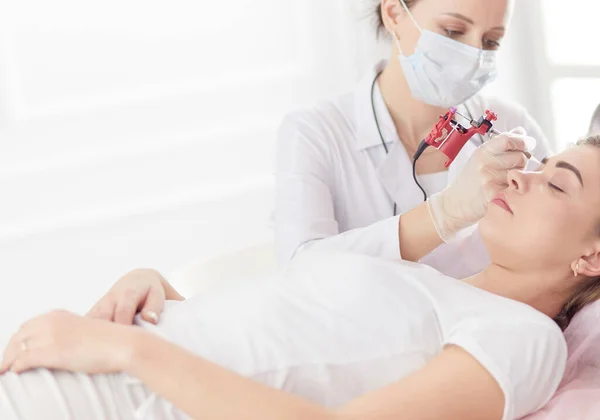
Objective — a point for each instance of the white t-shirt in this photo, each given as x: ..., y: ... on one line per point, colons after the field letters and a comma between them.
x: 332, y: 327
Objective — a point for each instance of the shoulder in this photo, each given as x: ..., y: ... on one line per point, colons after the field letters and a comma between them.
x: 326, y: 119
x: 318, y: 133
x: 526, y: 354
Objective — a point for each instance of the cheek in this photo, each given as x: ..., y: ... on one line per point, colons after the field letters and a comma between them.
x: 549, y: 225
x: 409, y: 37
x: 548, y: 235
x: 560, y: 222
x: 534, y: 232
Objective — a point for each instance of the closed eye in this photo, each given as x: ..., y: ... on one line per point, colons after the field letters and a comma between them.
x: 554, y: 187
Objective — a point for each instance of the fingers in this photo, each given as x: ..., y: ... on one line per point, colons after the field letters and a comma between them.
x: 11, y: 352
x: 40, y: 342
x: 153, y: 307
x: 515, y: 144
x: 137, y: 289
x: 22, y: 359
x: 120, y: 308
x: 493, y: 188
x: 514, y: 140
x: 21, y: 342
x: 104, y: 309
x: 507, y: 161
x: 127, y: 307
x: 518, y: 131
x: 504, y: 143
x: 28, y: 360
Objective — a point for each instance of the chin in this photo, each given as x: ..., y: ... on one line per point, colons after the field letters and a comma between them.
x: 491, y: 225
x: 502, y: 251
x: 495, y: 233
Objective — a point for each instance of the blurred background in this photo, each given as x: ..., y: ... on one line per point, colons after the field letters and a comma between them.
x: 141, y: 133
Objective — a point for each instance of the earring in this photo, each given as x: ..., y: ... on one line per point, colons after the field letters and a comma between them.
x: 576, y: 270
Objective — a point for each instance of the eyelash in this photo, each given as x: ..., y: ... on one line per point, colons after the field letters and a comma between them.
x: 452, y: 33
x: 488, y: 43
x: 554, y: 187
x: 492, y: 44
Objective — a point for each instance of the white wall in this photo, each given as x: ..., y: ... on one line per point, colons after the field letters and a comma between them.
x: 140, y: 133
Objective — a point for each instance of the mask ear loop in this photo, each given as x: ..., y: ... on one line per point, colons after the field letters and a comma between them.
x: 395, y: 35
x: 410, y: 15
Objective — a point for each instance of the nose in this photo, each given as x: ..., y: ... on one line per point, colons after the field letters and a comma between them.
x: 518, y: 181
x: 474, y: 39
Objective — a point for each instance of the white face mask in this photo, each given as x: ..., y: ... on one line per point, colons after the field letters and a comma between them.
x: 444, y: 72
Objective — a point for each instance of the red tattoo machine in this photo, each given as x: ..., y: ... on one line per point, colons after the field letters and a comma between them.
x: 449, y: 137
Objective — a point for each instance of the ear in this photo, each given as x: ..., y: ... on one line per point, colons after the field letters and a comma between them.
x: 589, y: 265
x: 392, y: 13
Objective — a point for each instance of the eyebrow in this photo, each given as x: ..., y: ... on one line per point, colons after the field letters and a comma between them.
x: 470, y: 21
x: 566, y: 165
x: 459, y: 16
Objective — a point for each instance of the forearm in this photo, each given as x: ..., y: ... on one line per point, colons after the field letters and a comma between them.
x: 411, y: 236
x: 202, y: 389
x: 417, y: 234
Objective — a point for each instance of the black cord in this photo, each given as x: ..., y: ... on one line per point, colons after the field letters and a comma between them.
x: 419, y: 152
x: 416, y: 157
x: 377, y: 121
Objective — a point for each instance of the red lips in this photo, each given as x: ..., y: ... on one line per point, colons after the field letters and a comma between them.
x: 500, y: 201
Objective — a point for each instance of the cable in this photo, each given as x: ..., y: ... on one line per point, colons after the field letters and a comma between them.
x: 419, y: 152
x: 377, y: 122
x: 417, y: 182
x: 416, y: 157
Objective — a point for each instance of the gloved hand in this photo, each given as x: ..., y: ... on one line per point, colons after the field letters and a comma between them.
x: 464, y: 202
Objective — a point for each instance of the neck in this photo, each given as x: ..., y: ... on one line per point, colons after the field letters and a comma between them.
x: 413, y: 119
x: 544, y: 290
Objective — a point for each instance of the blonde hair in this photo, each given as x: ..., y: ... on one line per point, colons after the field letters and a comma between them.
x: 589, y: 291
x: 378, y: 18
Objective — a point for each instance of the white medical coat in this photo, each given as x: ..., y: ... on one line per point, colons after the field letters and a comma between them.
x: 336, y: 187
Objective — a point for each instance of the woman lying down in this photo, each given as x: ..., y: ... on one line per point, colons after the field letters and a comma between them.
x: 340, y: 336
